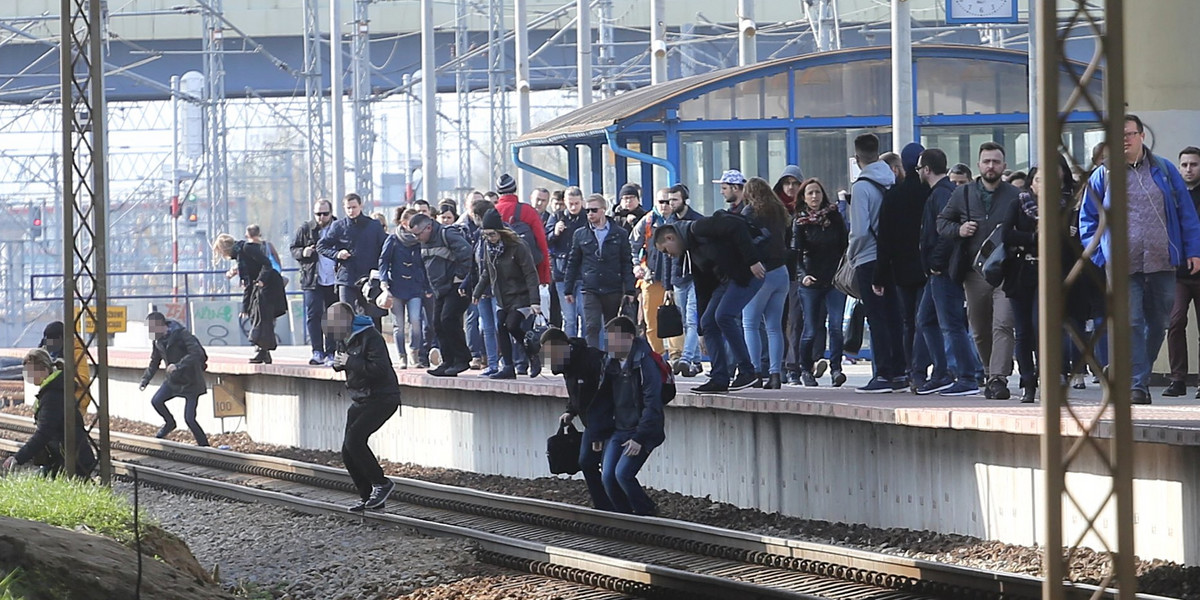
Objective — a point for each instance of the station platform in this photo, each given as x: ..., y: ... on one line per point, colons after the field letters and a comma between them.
x: 956, y: 465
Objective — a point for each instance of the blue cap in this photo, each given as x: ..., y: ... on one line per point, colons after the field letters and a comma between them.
x: 732, y: 177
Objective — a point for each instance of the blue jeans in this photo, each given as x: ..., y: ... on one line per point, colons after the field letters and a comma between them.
x: 721, y: 324
x: 685, y: 299
x: 572, y: 313
x: 589, y: 465
x: 767, y: 306
x: 316, y: 302
x: 822, y: 306
x: 619, y: 472
x: 886, y: 322
x: 1151, y: 296
x: 929, y: 347
x: 407, y: 311
x: 487, y: 325
x: 474, y: 334
x: 948, y: 301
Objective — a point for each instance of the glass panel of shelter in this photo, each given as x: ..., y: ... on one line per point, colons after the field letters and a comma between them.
x: 706, y: 155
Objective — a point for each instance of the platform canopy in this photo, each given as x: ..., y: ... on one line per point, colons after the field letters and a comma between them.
x: 801, y: 110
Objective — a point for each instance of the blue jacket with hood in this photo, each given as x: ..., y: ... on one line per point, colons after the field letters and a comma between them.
x: 370, y: 376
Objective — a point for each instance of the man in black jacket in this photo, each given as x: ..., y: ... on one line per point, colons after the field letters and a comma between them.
x: 581, y: 366
x: 447, y: 257
x: 362, y: 355
x: 940, y: 317
x: 599, y: 263
x: 560, y: 231
x: 186, y: 362
x: 317, y: 279
x: 355, y: 243
x: 975, y: 210
x: 727, y: 272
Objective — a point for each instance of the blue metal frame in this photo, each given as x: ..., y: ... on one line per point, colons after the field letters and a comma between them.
x: 645, y: 123
x: 516, y: 157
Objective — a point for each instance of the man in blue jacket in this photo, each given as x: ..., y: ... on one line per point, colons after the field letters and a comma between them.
x: 625, y: 419
x: 599, y: 263
x: 1164, y: 234
x: 354, y: 243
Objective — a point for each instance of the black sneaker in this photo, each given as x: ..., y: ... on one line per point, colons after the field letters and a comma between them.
x: 998, y: 390
x: 357, y: 508
x: 440, y: 371
x: 820, y: 367
x: 508, y: 373
x: 1175, y: 389
x: 877, y: 385
x: 535, y: 364
x: 164, y: 430
x: 745, y: 380
x: 933, y: 387
x: 379, y: 495
x: 711, y: 387
x: 900, y: 384
x: 962, y: 387
x: 1028, y: 396
x: 1139, y: 397
x: 838, y: 378
x: 809, y: 379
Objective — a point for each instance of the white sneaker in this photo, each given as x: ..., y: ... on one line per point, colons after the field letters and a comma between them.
x: 435, y: 357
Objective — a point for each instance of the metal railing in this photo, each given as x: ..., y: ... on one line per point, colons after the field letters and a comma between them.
x: 47, y: 287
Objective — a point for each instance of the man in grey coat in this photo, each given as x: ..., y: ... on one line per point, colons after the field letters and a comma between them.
x: 974, y: 211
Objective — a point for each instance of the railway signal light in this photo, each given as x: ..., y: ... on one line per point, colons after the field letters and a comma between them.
x: 193, y: 219
x: 35, y: 228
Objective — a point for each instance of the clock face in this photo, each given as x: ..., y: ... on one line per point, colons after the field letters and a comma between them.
x: 981, y: 11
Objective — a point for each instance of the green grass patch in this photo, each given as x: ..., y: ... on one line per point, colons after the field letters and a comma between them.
x: 68, y: 503
x: 10, y: 586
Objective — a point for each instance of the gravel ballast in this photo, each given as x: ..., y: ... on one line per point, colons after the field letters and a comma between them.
x: 1155, y: 577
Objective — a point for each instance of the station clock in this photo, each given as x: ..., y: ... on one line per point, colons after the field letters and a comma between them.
x: 981, y: 11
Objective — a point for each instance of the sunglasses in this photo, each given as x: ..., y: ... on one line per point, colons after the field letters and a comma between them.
x: 594, y: 210
x: 322, y: 214
x: 664, y: 201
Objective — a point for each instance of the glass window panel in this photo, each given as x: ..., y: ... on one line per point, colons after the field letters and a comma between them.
x: 707, y: 155
x: 764, y: 98
x: 965, y: 87
x: 861, y: 88
x: 828, y: 154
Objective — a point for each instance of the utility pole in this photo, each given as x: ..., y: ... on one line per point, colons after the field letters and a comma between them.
x: 336, y: 96
x: 497, y: 89
x: 462, y: 45
x: 607, y: 49
x: 903, y: 117
x: 747, y: 46
x: 521, y: 45
x: 658, y: 41
x: 429, y: 150
x: 364, y: 126
x: 313, y: 98
x: 214, y: 77
x: 583, y: 29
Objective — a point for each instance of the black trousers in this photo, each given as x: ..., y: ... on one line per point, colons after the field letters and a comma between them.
x: 352, y: 295
x: 362, y: 420
x: 449, y: 309
x: 190, y: 403
x: 510, y: 327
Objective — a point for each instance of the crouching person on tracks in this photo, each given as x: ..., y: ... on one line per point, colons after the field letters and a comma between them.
x: 625, y: 419
x: 47, y: 445
x: 186, y: 361
x: 362, y: 354
x: 581, y: 366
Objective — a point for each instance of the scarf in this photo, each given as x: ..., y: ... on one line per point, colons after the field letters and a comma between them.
x: 494, y: 250
x: 818, y: 217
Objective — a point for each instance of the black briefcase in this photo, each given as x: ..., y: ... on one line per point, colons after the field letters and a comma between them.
x: 562, y: 450
x: 670, y: 321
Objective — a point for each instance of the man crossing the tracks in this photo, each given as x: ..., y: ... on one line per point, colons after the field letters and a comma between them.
x: 186, y: 361
x: 362, y: 354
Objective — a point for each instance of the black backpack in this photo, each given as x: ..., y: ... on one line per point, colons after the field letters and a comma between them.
x: 523, y: 231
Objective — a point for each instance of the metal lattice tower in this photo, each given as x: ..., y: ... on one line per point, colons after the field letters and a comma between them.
x: 822, y: 17
x: 462, y: 90
x: 606, y: 49
x: 497, y: 89
x: 318, y: 185
x: 214, y: 80
x: 364, y: 125
x: 85, y: 208
x: 1094, y: 450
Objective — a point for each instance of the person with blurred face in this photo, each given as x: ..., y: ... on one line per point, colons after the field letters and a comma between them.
x: 580, y: 366
x: 173, y: 344
x: 48, y: 441
x: 374, y: 392
x: 974, y: 211
x: 625, y: 418
x: 1164, y: 237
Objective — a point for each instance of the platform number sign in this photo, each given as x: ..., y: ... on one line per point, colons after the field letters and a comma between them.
x: 981, y: 11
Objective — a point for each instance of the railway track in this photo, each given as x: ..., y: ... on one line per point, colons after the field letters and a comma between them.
x: 635, y: 556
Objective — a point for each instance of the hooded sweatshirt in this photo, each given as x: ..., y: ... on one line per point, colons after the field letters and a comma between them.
x: 866, y: 200
x: 788, y: 201
x: 369, y: 373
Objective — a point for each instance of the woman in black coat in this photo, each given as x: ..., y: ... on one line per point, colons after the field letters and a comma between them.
x: 46, y: 447
x: 263, y: 295
x: 510, y: 276
x: 819, y: 239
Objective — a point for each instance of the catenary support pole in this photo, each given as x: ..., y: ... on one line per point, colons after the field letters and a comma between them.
x: 336, y: 99
x: 903, y: 119
x: 429, y: 148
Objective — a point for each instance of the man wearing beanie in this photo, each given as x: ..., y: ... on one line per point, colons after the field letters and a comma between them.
x: 628, y: 210
x: 508, y: 205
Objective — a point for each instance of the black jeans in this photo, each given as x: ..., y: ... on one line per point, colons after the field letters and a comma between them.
x: 910, y: 298
x: 363, y: 419
x: 1025, y: 322
x: 190, y: 402
x: 352, y: 295
x: 883, y: 315
x: 316, y: 302
x: 510, y: 327
x: 598, y: 309
x: 449, y: 310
